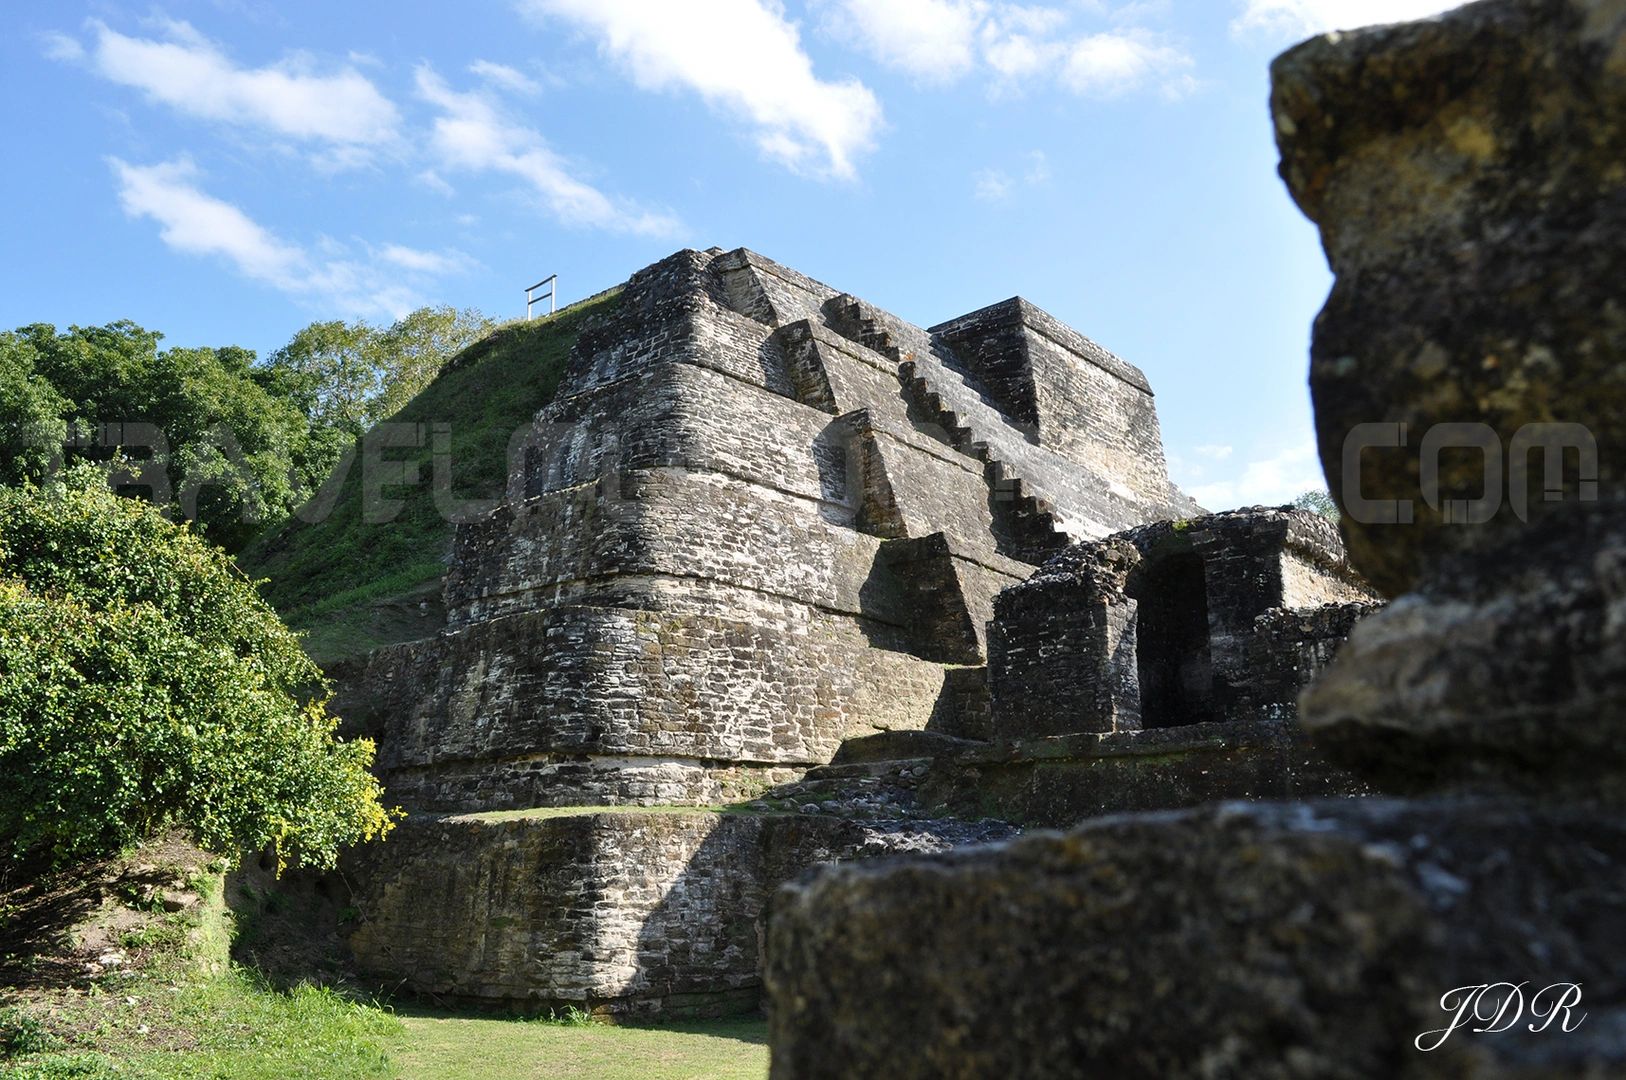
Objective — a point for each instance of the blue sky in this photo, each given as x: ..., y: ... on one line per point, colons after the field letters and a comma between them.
x: 227, y: 171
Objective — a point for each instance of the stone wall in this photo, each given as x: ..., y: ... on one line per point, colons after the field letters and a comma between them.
x: 619, y: 912
x: 1073, y: 648
x: 736, y: 538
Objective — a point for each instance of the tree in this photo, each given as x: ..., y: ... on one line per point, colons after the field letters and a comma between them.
x: 1319, y: 502
x: 32, y: 428
x: 346, y: 377
x: 208, y: 441
x: 144, y: 683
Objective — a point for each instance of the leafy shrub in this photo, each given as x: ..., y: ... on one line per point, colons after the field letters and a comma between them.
x: 21, y: 1034
x: 143, y: 683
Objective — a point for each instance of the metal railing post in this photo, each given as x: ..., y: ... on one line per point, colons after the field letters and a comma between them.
x: 532, y: 299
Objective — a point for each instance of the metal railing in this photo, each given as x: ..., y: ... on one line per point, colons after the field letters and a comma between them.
x: 533, y: 297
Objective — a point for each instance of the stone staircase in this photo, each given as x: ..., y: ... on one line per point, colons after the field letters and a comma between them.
x: 1030, y: 521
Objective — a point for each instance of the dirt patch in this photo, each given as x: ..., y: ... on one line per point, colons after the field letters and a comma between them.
x: 67, y: 929
x: 294, y: 929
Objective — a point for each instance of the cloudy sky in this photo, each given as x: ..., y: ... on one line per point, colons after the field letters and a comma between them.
x: 226, y: 171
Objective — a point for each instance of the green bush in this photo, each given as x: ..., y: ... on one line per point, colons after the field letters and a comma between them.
x: 143, y: 683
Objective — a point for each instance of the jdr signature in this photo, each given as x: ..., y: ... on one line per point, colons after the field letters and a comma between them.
x: 1497, y: 1007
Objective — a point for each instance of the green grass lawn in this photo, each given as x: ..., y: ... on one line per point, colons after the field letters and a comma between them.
x: 235, y: 1028
x: 440, y: 1047
x: 175, y: 1007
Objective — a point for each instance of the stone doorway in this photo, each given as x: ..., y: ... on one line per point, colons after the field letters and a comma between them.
x: 1172, y: 644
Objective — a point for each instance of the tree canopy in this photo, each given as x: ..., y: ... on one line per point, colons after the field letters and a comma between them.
x: 203, y: 438
x: 144, y: 683
x: 345, y: 377
x: 207, y: 433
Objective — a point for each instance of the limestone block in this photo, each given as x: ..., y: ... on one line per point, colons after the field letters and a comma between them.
x: 1272, y: 942
x: 1467, y: 176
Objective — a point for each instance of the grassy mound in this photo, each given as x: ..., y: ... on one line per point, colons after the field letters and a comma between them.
x: 120, y: 968
x: 352, y: 586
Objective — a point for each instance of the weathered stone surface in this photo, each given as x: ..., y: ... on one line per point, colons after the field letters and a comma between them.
x: 1491, y: 678
x: 1309, y: 940
x: 760, y: 518
x: 1159, y: 626
x: 1468, y: 173
x: 624, y: 912
x: 1063, y: 780
x: 1468, y: 176
x: 1159, y: 668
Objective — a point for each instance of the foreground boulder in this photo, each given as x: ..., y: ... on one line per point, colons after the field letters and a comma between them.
x: 1247, y: 940
x: 1468, y: 175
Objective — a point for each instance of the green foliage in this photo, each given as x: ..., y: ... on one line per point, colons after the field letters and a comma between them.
x: 1319, y: 502
x: 32, y: 428
x: 22, y: 1034
x: 569, y: 1016
x: 232, y: 457
x: 345, y: 377
x: 242, y: 444
x: 323, y: 574
x: 144, y: 683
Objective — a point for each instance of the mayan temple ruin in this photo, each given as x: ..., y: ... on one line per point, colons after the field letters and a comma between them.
x: 763, y: 594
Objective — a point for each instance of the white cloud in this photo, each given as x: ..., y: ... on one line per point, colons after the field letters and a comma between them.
x: 1020, y: 43
x: 1214, y: 451
x: 382, y: 281
x: 432, y: 180
x: 941, y: 40
x: 471, y: 134
x: 1272, y: 480
x: 997, y: 185
x: 424, y: 262
x: 740, y: 56
x: 1303, y: 17
x: 61, y: 47
x: 189, y: 73
x: 933, y: 40
x: 992, y: 185
x: 1111, y: 64
x: 1038, y: 168
x: 501, y: 75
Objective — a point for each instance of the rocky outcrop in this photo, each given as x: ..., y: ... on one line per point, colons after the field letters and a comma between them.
x: 1260, y: 941
x: 1471, y: 194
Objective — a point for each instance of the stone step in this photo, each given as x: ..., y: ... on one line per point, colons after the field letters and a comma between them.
x: 887, y: 746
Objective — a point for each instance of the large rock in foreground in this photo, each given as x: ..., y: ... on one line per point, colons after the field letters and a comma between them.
x: 1245, y: 940
x: 1468, y: 174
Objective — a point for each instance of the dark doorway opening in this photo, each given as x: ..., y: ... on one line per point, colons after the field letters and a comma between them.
x: 1171, y: 644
